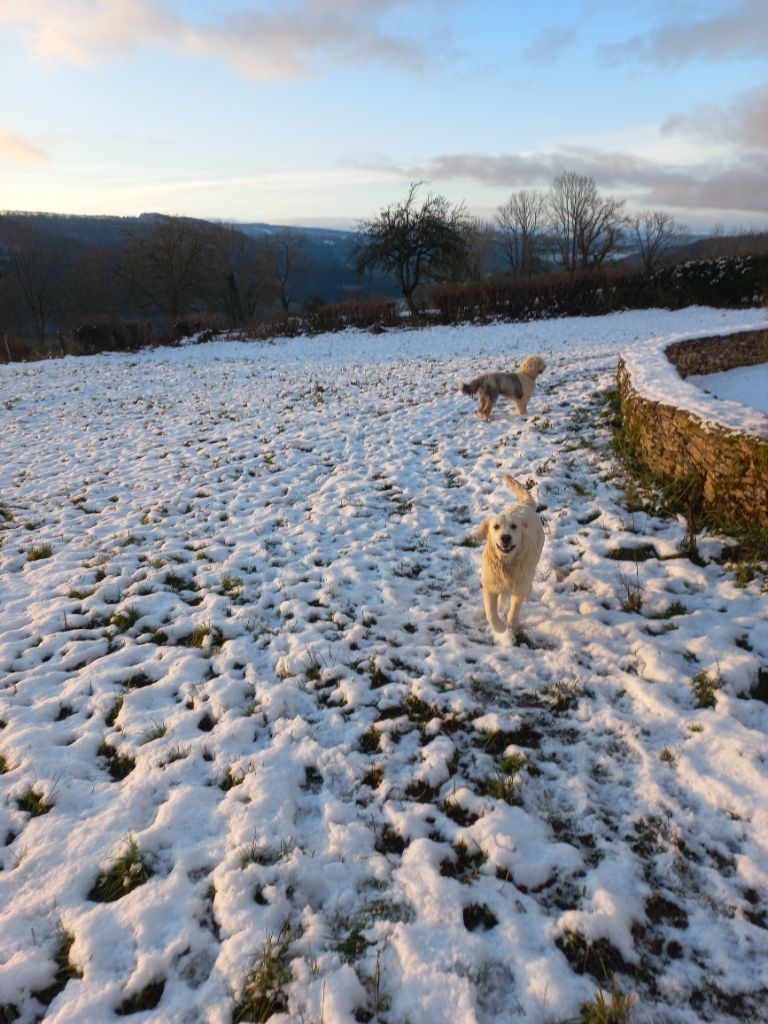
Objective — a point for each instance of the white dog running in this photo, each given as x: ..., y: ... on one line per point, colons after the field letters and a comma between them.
x: 513, y: 543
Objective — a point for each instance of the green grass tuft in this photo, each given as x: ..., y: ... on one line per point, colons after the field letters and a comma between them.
x: 38, y: 552
x: 502, y: 785
x: 633, y: 592
x: 264, y: 992
x: 127, y: 873
x: 479, y: 916
x: 122, y: 621
x: 33, y: 803
x: 119, y: 765
x: 370, y: 741
x: 704, y: 689
x: 65, y: 970
x: 563, y: 695
x: 612, y: 1009
x: 206, y: 637
x: 676, y: 608
x: 231, y: 584
x: 146, y: 999
x: 354, y: 945
x: 114, y: 711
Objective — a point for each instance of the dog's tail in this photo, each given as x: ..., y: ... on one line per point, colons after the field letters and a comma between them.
x: 522, y: 494
x: 471, y: 387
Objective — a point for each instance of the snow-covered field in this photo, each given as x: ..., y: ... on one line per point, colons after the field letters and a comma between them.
x: 261, y: 756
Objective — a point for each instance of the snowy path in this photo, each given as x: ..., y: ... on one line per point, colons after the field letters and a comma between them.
x: 243, y: 654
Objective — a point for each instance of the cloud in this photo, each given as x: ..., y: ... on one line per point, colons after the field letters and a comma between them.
x: 88, y: 32
x: 741, y: 30
x: 733, y: 190
x: 260, y: 41
x: 14, y: 148
x: 548, y: 45
x: 297, y: 43
x: 744, y: 121
x: 728, y: 188
x: 523, y: 171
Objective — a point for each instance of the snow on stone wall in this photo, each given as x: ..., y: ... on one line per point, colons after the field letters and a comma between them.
x: 677, y: 430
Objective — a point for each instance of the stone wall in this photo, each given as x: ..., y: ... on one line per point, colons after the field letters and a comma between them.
x: 674, y: 443
x: 715, y: 355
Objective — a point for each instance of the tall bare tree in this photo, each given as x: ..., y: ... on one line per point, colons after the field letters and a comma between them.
x: 520, y: 222
x: 165, y: 266
x: 287, y: 258
x: 37, y: 270
x: 92, y: 287
x: 240, y: 281
x: 656, y: 232
x: 415, y: 243
x: 586, y: 227
x: 480, y: 246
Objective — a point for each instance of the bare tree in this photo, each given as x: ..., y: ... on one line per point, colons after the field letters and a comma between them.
x: 92, y: 286
x: 286, y: 254
x: 414, y: 243
x: 586, y: 227
x: 656, y: 232
x: 36, y: 268
x: 240, y: 276
x: 480, y: 244
x: 165, y: 266
x: 520, y: 222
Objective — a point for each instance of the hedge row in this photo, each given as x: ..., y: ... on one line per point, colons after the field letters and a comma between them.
x: 722, y: 282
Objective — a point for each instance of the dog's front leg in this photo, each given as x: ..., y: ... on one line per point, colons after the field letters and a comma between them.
x: 513, y: 618
x: 490, y: 603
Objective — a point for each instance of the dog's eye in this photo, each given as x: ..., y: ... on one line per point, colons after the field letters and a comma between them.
x: 497, y: 526
x: 513, y: 526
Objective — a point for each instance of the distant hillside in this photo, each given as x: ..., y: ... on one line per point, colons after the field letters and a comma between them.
x: 753, y: 243
x: 102, y: 231
x: 330, y: 253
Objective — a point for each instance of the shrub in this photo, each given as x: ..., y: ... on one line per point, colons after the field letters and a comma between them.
x: 726, y: 281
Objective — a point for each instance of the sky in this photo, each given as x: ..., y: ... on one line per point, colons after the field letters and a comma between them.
x: 322, y: 112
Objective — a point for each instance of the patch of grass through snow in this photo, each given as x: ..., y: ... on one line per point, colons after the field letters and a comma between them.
x: 264, y: 990
x: 127, y: 873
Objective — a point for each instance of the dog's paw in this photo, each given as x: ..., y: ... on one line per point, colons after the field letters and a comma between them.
x: 498, y: 626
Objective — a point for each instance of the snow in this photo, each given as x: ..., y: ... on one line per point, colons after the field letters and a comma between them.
x: 262, y: 590
x: 735, y: 400
x: 747, y: 385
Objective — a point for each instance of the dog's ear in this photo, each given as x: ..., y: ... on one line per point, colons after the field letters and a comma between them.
x: 482, y: 533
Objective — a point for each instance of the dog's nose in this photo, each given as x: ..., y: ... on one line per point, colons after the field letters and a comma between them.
x: 506, y: 538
